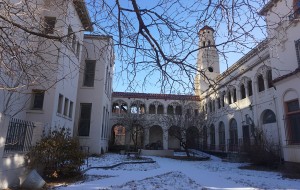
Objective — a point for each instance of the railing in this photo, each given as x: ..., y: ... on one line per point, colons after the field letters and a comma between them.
x: 19, y: 135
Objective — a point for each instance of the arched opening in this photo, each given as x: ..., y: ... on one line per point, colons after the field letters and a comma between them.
x: 269, y: 77
x: 152, y: 109
x: 160, y: 109
x: 233, y: 135
x: 174, y: 134
x: 118, y: 135
x: 124, y: 108
x: 155, y: 138
x: 212, y: 137
x: 221, y: 136
x: 137, y: 108
x: 243, y: 91
x: 170, y: 110
x: 249, y: 85
x: 269, y: 126
x: 115, y: 108
x: 229, y: 97
x: 192, y: 137
x: 268, y: 116
x: 204, y: 138
x: 260, y: 83
x: 178, y: 110
x: 142, y: 109
x: 136, y: 136
x: 134, y: 109
x: 234, y: 95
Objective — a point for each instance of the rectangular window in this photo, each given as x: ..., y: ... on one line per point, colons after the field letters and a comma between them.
x: 49, y: 25
x: 74, y: 42
x: 234, y: 95
x: 89, y: 73
x: 66, y: 106
x: 293, y: 122
x: 196, y: 112
x: 249, y: 88
x: 71, y: 109
x: 37, y: 99
x: 70, y: 34
x: 78, y: 49
x: 297, y: 45
x: 60, y: 103
x: 85, y: 119
x: 219, y: 103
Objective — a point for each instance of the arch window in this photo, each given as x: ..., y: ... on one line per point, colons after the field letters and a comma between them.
x: 229, y: 97
x: 269, y: 76
x: 268, y: 117
x: 188, y: 112
x: 160, y: 109
x: 124, y: 108
x: 115, y: 108
x: 196, y: 112
x: 212, y: 137
x: 233, y: 135
x: 152, y: 109
x: 178, y: 110
x: 219, y: 103
x: 234, y: 95
x: 260, y: 83
x: 210, y: 106
x: 213, y: 105
x: 170, y: 110
x: 243, y: 91
x: 222, y: 135
x: 223, y: 99
x: 249, y: 86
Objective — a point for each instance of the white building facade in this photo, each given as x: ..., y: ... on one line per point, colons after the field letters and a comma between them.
x: 69, y: 81
x: 283, y: 21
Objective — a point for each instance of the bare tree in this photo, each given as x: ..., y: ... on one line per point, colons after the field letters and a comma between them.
x: 186, y: 125
x: 135, y: 125
x: 161, y: 37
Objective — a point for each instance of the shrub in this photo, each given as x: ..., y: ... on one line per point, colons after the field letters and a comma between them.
x: 57, y: 154
x: 261, y: 152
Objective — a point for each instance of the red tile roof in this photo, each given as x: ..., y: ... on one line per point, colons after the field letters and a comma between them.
x: 155, y: 96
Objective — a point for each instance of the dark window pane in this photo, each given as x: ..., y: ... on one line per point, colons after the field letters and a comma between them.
x: 269, y: 117
x: 260, y: 81
x: 270, y: 82
x: 243, y: 92
x: 292, y: 106
x: 293, y: 128
x: 85, y: 119
x: 250, y: 88
x: 49, y: 25
x: 89, y: 73
x: 38, y: 99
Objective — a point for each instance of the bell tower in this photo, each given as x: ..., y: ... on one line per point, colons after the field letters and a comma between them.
x: 207, y: 60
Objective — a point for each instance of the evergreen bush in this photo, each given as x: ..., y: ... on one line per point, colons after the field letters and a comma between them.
x: 57, y: 154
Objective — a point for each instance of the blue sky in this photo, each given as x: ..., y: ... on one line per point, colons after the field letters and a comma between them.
x: 243, y: 26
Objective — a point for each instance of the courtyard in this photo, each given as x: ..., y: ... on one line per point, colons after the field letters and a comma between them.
x: 167, y: 173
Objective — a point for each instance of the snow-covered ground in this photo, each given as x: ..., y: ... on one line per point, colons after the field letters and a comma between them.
x: 176, y: 174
